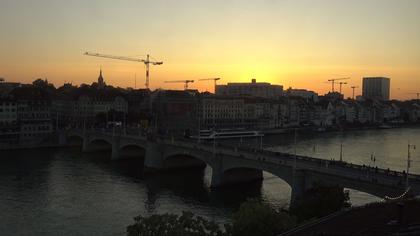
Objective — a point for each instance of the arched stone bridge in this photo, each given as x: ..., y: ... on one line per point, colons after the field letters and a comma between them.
x: 232, y: 165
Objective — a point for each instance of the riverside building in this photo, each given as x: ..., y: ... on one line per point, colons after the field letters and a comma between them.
x: 253, y: 89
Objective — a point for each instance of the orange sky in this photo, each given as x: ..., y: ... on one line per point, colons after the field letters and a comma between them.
x: 298, y: 43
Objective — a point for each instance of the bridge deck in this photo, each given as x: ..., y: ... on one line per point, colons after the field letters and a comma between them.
x: 378, y: 176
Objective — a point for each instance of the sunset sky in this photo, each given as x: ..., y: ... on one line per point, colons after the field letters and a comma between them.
x: 297, y: 43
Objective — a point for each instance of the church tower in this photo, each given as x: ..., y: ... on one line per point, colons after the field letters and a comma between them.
x: 101, y: 82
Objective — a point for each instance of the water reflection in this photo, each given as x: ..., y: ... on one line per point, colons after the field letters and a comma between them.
x: 66, y: 192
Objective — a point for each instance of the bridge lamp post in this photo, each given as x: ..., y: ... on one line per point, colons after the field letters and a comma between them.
x: 295, y: 154
x: 199, y: 122
x: 84, y: 123
x: 214, y: 126
x: 409, y: 148
x: 113, y: 124
x: 125, y: 123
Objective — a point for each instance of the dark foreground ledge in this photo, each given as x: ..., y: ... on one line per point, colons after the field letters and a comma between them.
x: 386, y: 218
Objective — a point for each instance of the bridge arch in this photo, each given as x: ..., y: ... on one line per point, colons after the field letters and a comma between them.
x: 179, y: 160
x: 132, y: 144
x: 240, y: 174
x: 75, y: 140
x: 369, y: 186
x: 252, y: 170
x: 131, y: 150
x: 245, y: 173
x: 98, y: 144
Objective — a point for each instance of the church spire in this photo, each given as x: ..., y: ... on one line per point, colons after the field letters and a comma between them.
x: 101, y: 82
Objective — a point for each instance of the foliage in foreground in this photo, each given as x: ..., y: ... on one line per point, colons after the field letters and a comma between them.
x: 321, y: 201
x: 169, y: 224
x: 253, y: 217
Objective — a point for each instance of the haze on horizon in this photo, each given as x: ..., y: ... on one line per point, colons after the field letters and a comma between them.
x: 299, y: 43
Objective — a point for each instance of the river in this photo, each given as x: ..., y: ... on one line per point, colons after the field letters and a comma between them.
x: 66, y: 192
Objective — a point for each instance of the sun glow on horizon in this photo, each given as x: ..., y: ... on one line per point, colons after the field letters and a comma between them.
x: 299, y: 44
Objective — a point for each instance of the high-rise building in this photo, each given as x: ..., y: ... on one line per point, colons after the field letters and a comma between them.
x: 376, y: 88
x: 254, y: 89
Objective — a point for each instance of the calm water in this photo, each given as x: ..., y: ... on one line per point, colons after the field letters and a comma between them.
x: 65, y: 192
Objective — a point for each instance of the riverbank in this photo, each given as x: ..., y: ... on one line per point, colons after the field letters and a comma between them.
x: 53, y: 140
x: 10, y: 147
x: 314, y: 129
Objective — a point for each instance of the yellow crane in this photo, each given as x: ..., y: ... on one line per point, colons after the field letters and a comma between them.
x: 146, y: 62
x: 215, y: 82
x: 186, y: 82
x: 333, y: 82
x: 353, y: 88
x: 341, y: 84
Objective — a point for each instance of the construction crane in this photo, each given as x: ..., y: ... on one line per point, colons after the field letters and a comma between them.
x: 215, y: 82
x: 186, y: 82
x: 418, y: 95
x: 333, y: 82
x: 353, y: 88
x: 146, y: 62
x: 341, y: 84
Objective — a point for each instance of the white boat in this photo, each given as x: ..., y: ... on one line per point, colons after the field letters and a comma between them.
x: 228, y: 134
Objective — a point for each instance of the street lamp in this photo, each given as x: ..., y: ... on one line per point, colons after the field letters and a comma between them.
x: 294, y: 153
x: 409, y: 147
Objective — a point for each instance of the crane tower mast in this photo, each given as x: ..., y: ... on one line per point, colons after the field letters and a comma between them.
x: 146, y: 62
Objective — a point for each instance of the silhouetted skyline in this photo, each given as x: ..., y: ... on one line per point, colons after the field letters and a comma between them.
x: 292, y: 43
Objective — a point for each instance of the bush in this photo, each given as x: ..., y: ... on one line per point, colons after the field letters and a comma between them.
x: 320, y: 201
x: 172, y: 225
x: 255, y: 218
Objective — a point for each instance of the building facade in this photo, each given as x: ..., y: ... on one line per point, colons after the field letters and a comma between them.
x: 174, y: 111
x: 224, y: 112
x: 35, y: 121
x: 303, y: 93
x: 376, y: 88
x: 9, y: 129
x: 254, y: 89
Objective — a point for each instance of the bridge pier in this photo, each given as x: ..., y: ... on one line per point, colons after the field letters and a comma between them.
x: 115, y: 154
x: 299, y: 186
x: 153, y: 160
x: 216, y: 178
x: 85, y: 144
x: 62, y: 138
x: 303, y: 182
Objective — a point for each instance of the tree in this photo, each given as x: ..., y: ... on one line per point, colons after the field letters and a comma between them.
x: 321, y: 201
x: 172, y: 225
x: 256, y: 218
x: 42, y: 84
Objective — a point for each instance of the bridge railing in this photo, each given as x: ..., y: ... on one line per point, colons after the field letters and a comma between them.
x: 372, y: 171
x: 267, y: 155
